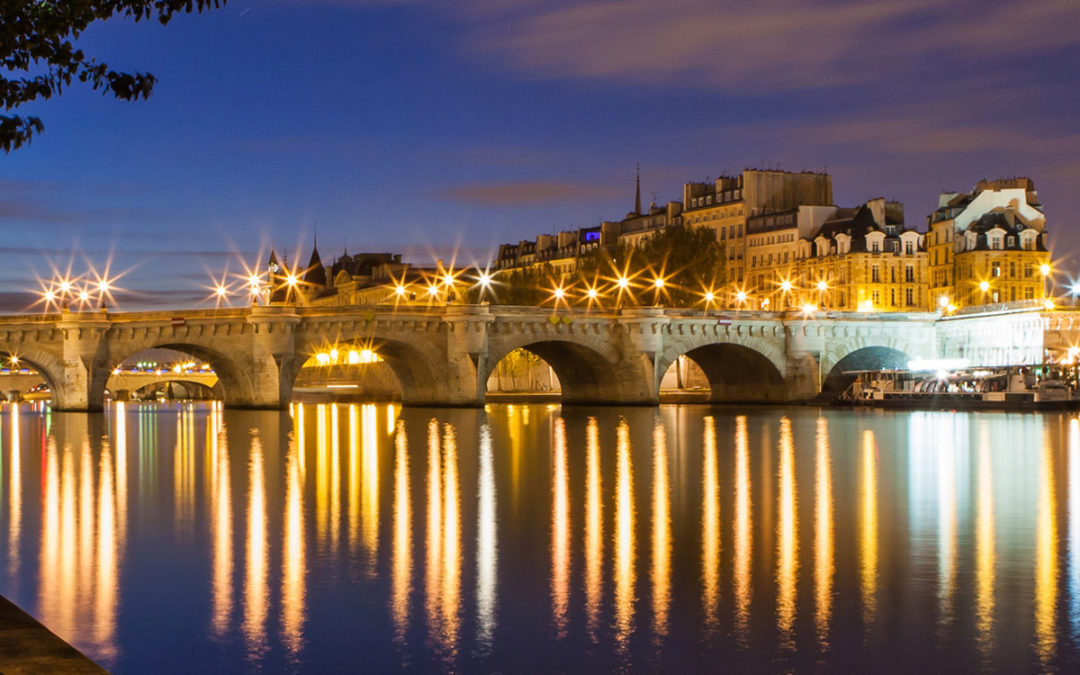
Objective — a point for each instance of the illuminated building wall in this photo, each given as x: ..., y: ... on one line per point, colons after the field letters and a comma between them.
x: 863, y: 259
x: 988, y: 246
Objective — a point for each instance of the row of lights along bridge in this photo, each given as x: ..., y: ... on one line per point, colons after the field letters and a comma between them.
x: 94, y: 291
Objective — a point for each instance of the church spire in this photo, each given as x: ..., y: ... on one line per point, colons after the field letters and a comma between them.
x: 315, y: 274
x: 637, y: 192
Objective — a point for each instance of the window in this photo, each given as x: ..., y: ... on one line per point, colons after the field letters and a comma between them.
x: 909, y: 273
x: 1012, y: 270
x: 995, y: 269
x: 1028, y: 271
x: 995, y: 298
x: 909, y: 248
x: 876, y: 297
x: 875, y: 274
x: 1029, y: 293
x: 875, y: 247
x: 910, y: 297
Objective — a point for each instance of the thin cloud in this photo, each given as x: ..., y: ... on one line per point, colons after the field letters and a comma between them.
x: 525, y: 193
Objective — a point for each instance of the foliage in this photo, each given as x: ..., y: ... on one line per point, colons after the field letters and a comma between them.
x: 689, y: 259
x: 525, y: 286
x: 38, y: 56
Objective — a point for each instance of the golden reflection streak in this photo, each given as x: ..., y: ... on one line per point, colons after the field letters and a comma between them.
x: 710, y: 527
x: 624, y: 540
x: 516, y: 435
x: 15, y: 496
x: 433, y: 571
x: 1074, y: 525
x: 401, y: 580
x: 451, y: 576
x: 661, y: 534
x: 293, y: 564
x: 221, y: 605
x: 390, y: 416
x: 369, y: 515
x: 121, y: 469
x: 301, y: 449
x: 335, y: 478
x: 85, y: 517
x: 354, y: 476
x: 743, y: 537
x: 824, y: 564
x: 255, y: 582
x: 868, y: 529
x: 984, y: 545
x: 1046, y: 558
x: 68, y: 545
x: 322, y: 476
x: 184, y: 470
x: 946, y: 456
x: 48, y: 588
x: 107, y: 587
x: 560, y: 531
x: 787, y: 535
x: 594, y: 529
x: 487, y: 552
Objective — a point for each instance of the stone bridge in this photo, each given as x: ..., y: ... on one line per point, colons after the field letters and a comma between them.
x: 442, y: 356
x: 16, y: 383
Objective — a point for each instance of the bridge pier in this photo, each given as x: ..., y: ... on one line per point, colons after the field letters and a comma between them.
x: 274, y: 358
x: 82, y: 385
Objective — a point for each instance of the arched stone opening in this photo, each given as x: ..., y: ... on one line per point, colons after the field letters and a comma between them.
x: 352, y: 371
x: 684, y: 377
x: 403, y: 371
x: 738, y: 374
x: 171, y: 390
x: 233, y: 385
x: 582, y: 374
x: 24, y: 376
x: 842, y: 374
x: 522, y: 373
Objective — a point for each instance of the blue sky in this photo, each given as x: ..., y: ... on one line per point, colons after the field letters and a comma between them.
x: 425, y: 127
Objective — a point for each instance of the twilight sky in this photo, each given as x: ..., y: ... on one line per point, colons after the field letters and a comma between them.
x: 421, y: 127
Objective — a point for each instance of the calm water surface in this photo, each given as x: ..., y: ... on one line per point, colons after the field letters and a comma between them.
x: 347, y: 538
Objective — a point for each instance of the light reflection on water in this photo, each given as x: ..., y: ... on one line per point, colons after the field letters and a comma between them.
x: 363, y: 537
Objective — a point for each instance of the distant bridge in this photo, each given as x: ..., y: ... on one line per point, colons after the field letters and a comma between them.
x: 443, y: 356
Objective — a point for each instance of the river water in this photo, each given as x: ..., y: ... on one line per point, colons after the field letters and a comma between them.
x: 349, y: 538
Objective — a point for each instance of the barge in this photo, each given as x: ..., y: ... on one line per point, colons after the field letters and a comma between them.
x: 1021, y: 388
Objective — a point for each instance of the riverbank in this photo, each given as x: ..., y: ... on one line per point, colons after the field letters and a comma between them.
x: 27, y: 647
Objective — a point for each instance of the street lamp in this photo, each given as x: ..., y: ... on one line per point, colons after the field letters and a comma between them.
x: 485, y: 283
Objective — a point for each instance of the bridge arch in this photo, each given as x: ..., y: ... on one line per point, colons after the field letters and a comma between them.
x: 46, y: 365
x: 234, y: 379
x: 736, y: 370
x: 587, y: 373
x: 420, y: 380
x: 205, y: 392
x: 871, y: 357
